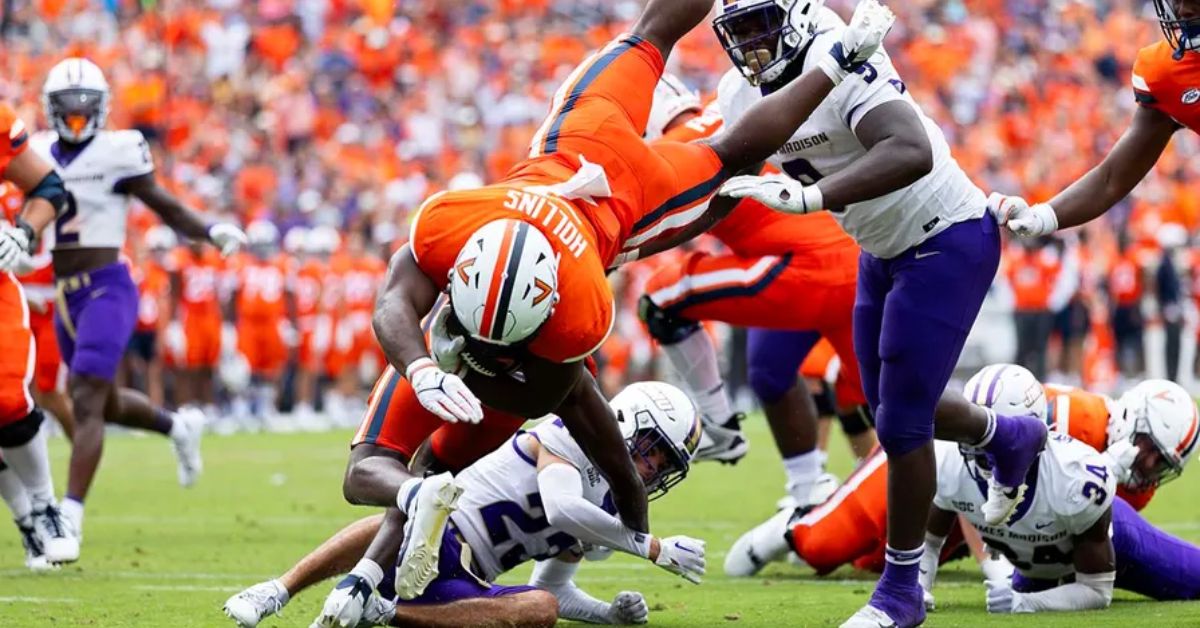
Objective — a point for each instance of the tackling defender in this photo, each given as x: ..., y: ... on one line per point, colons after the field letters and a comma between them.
x: 1164, y: 87
x: 97, y: 300
x: 930, y: 251
x: 542, y: 482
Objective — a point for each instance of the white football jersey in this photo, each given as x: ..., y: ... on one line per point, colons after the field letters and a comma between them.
x: 500, y: 512
x: 826, y: 144
x: 1074, y: 488
x: 97, y: 217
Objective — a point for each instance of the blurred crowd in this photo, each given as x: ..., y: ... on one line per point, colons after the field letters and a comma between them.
x: 343, y: 115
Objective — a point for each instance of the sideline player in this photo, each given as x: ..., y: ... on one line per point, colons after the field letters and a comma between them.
x: 1165, y: 90
x: 524, y: 262
x: 542, y: 466
x: 773, y: 257
x: 97, y: 301
x: 930, y: 252
x: 265, y: 311
x: 26, y: 484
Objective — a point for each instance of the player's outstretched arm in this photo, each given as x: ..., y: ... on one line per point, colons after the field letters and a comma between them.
x: 555, y: 575
x: 406, y: 297
x: 45, y: 197
x: 181, y: 218
x: 1095, y: 572
x: 664, y: 22
x: 936, y: 531
x: 898, y: 154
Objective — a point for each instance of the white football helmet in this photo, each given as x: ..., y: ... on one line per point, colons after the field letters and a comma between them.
x: 322, y: 240
x: 262, y: 238
x: 294, y: 240
x: 504, y: 283
x: 75, y: 99
x: 658, y: 416
x: 161, y: 238
x: 671, y: 99
x: 1009, y: 390
x: 763, y: 36
x: 1163, y: 411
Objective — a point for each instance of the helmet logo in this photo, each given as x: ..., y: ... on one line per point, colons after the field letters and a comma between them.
x: 544, y: 291
x: 462, y: 267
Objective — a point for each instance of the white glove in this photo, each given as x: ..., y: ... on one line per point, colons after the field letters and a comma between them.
x: 683, y: 556
x: 1000, y: 596
x: 14, y: 245
x: 777, y: 191
x: 1122, y: 455
x: 1022, y: 219
x: 869, y: 25
x: 629, y: 607
x: 442, y: 393
x: 446, y: 349
x: 226, y: 237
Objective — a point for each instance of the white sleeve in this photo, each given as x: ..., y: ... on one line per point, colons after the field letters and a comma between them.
x: 1089, y: 493
x: 561, y: 488
x: 877, y: 83
x: 555, y: 576
x: 1089, y: 591
x: 131, y: 156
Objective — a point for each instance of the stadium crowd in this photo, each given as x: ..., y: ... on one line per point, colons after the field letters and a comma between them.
x: 333, y: 119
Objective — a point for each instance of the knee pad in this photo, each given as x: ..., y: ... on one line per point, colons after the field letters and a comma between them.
x: 769, y: 383
x: 826, y: 400
x: 900, y: 434
x: 857, y: 420
x: 20, y: 432
x: 663, y: 326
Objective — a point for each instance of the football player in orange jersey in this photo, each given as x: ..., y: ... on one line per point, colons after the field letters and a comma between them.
x: 524, y: 261
x: 1166, y: 85
x: 773, y: 257
x: 1147, y: 435
x: 265, y: 312
x: 26, y: 484
x: 194, y: 334
x: 360, y: 274
x: 306, y: 280
x: 154, y: 284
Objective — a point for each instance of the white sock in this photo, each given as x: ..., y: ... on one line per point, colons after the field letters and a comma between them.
x: 178, y: 429
x: 73, y: 511
x: 695, y: 359
x: 802, y: 471
x: 31, y: 462
x: 14, y: 494
x: 408, y: 491
x: 281, y: 592
x: 368, y: 570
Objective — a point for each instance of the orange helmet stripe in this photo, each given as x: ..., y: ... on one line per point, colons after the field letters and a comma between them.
x: 493, y: 295
x: 1185, y: 446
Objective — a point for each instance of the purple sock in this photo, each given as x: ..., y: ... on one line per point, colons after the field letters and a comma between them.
x: 163, y: 422
x: 898, y: 592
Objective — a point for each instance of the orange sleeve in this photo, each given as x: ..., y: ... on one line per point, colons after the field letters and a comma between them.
x: 1137, y: 499
x: 14, y: 138
x: 1147, y: 73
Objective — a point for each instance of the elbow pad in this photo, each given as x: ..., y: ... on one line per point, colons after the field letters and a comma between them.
x: 52, y: 189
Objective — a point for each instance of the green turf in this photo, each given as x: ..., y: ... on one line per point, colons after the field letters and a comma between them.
x: 158, y: 555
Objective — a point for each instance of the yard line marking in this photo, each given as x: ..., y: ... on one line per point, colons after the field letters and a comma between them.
x: 39, y: 600
x: 184, y: 587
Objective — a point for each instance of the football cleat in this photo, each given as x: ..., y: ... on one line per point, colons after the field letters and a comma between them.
x: 764, y: 543
x: 1006, y: 488
x: 59, y: 540
x: 344, y: 605
x: 436, y: 498
x: 870, y: 617
x: 187, y: 445
x: 723, y: 442
x: 35, y: 555
x: 377, y: 612
x: 256, y: 603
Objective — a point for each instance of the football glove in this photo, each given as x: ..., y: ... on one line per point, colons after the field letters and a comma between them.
x: 1000, y: 596
x: 1020, y: 217
x: 629, y: 607
x: 14, y: 245
x: 683, y: 556
x: 226, y: 237
x: 777, y: 191
x: 869, y: 25
x: 1122, y: 455
x: 442, y: 393
x: 446, y: 347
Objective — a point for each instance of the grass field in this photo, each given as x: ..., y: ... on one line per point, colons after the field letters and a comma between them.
x: 157, y: 555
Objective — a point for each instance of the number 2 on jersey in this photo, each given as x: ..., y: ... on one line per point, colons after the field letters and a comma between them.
x: 66, y: 226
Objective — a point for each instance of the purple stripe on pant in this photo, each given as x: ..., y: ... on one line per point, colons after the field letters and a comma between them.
x: 912, y: 314
x: 101, y: 312
x: 454, y: 583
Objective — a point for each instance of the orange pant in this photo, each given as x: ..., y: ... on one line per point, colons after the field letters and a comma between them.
x: 804, y: 290
x: 396, y: 420
x: 202, y: 335
x: 260, y: 341
x: 50, y: 370
x: 17, y: 358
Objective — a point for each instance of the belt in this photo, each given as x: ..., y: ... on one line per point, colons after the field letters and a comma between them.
x: 467, y: 556
x: 73, y: 283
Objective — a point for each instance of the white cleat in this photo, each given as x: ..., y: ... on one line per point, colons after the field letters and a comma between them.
x: 345, y: 604
x: 1001, y: 502
x: 763, y: 544
x: 255, y: 604
x: 869, y: 617
x: 35, y: 555
x: 60, y: 542
x: 723, y: 442
x: 187, y: 445
x: 436, y: 498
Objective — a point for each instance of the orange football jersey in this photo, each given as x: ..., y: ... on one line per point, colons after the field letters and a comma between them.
x: 153, y: 284
x: 1164, y: 84
x: 307, y: 286
x: 199, y: 277
x: 261, y: 288
x: 361, y: 281
x: 14, y: 138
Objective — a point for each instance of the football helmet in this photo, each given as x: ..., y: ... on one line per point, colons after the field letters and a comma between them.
x: 75, y: 99
x: 294, y: 240
x: 160, y: 238
x: 322, y: 241
x: 1009, y: 390
x: 662, y: 429
x: 1183, y: 33
x: 262, y: 236
x: 763, y: 36
x: 1164, y: 412
x: 504, y: 283
x: 671, y: 99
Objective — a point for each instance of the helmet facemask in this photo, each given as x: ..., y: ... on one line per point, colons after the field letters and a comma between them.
x: 659, y: 462
x: 1156, y: 462
x: 76, y: 114
x: 760, y: 40
x: 1182, y: 33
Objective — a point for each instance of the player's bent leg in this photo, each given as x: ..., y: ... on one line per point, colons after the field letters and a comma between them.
x: 23, y: 443
x: 1152, y: 562
x: 185, y: 428
x: 88, y: 395
x: 526, y: 608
